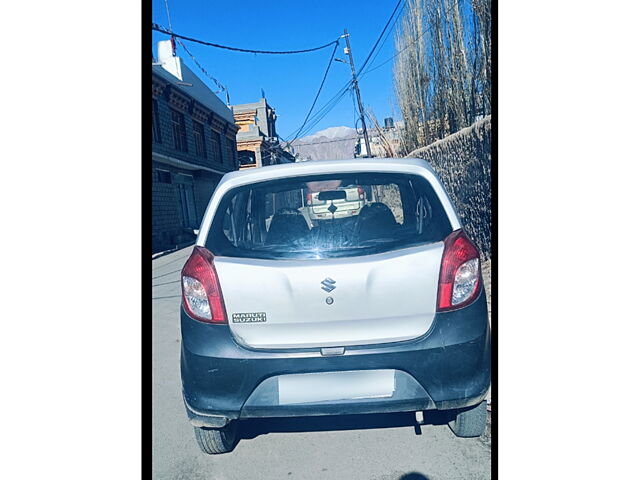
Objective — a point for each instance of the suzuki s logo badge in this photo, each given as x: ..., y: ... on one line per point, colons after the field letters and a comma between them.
x: 328, y: 284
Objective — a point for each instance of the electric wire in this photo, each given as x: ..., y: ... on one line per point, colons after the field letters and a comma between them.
x: 385, y: 62
x: 329, y: 105
x: 379, y: 37
x: 355, y: 110
x: 424, y: 32
x: 319, y: 112
x: 391, y: 30
x: 319, y: 90
x: 158, y: 28
x: 323, y: 113
x: 325, y: 109
x: 335, y: 100
x: 220, y: 86
x: 166, y: 5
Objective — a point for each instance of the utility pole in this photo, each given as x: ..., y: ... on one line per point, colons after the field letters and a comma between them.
x: 355, y: 86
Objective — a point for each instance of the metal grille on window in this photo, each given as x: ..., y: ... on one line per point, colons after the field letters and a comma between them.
x: 216, y: 150
x: 179, y: 131
x: 228, y: 146
x: 164, y: 176
x: 155, y: 122
x: 198, y: 135
x: 186, y: 199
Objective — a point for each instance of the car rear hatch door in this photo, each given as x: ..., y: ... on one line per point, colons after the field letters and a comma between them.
x: 302, y: 303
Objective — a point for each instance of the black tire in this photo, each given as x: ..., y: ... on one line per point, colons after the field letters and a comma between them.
x: 470, y: 422
x: 217, y: 440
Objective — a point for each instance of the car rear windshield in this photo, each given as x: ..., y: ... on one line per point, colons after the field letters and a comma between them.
x: 326, y: 216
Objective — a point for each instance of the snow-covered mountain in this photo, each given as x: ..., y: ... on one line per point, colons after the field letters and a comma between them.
x: 331, y: 133
x: 333, y: 143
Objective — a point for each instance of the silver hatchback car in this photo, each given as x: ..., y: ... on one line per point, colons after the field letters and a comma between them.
x: 380, y: 311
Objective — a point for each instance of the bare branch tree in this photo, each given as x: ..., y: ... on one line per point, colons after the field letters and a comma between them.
x: 442, y: 74
x: 386, y: 142
x: 410, y: 75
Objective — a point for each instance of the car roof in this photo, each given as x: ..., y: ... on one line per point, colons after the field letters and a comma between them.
x: 250, y: 175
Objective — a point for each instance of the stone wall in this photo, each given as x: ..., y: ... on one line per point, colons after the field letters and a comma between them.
x: 463, y: 163
x: 167, y: 224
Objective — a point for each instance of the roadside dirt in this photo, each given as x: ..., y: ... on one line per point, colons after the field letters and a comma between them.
x: 486, y: 278
x: 485, y: 438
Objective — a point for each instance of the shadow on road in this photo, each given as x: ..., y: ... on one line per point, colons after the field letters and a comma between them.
x: 413, y: 476
x: 251, y: 428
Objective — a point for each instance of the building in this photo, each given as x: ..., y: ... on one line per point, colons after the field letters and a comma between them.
x: 257, y: 140
x: 383, y: 141
x: 194, y: 144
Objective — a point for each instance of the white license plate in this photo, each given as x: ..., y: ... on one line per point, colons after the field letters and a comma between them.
x: 327, y: 386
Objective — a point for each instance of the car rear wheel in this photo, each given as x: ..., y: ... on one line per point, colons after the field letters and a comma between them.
x: 470, y: 422
x: 217, y: 440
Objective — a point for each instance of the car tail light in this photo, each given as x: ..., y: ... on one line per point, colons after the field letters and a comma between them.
x: 361, y: 193
x: 460, y: 276
x: 309, y: 199
x: 201, y: 294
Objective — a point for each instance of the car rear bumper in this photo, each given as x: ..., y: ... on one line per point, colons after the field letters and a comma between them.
x: 447, y: 368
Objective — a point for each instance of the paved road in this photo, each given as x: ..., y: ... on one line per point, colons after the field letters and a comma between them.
x: 381, y: 447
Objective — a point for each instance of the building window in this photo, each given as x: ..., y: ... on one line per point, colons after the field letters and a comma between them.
x: 230, y: 144
x: 155, y: 122
x: 216, y: 150
x: 164, y: 176
x: 198, y: 136
x: 179, y: 131
x: 247, y: 158
x: 187, y: 200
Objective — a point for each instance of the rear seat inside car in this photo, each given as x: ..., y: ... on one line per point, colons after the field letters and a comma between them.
x: 375, y: 221
x: 288, y: 225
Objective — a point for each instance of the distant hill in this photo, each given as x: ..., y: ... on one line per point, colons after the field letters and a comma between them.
x: 334, y: 143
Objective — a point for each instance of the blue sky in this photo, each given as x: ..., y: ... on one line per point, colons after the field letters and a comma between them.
x: 290, y: 82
